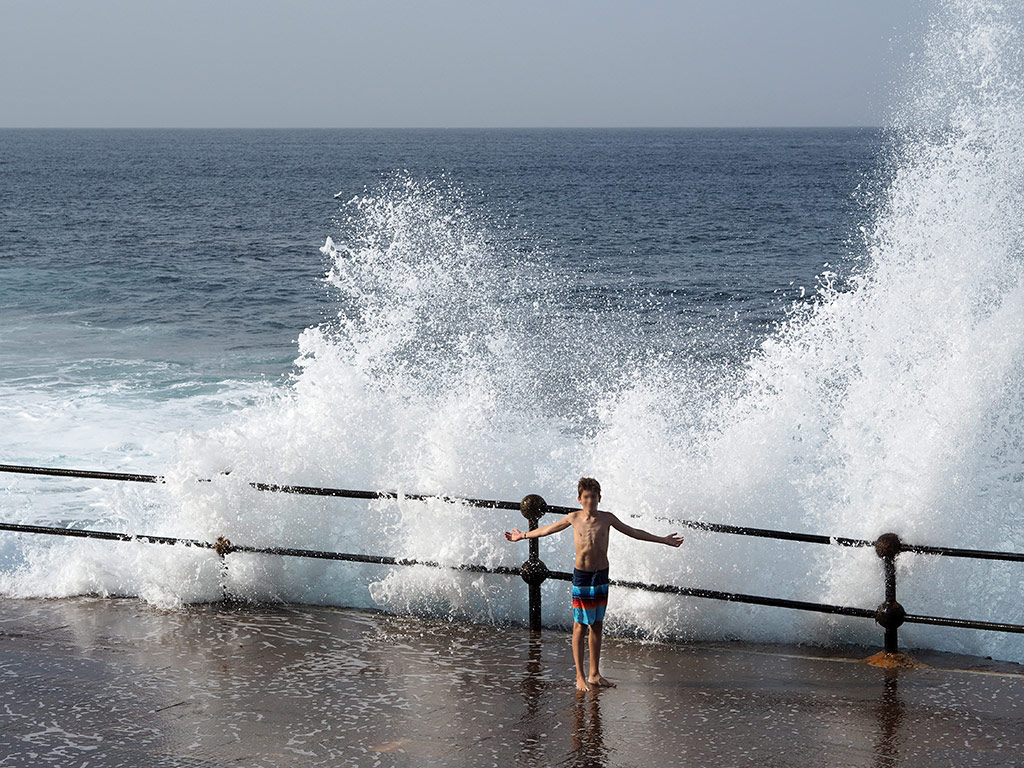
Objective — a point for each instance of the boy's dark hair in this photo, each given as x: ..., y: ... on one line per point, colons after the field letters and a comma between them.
x: 588, y: 484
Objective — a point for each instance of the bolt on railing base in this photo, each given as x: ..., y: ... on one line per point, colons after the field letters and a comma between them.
x: 887, y: 660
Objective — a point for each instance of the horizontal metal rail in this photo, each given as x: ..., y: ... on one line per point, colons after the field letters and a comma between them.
x: 975, y: 554
x: 223, y: 547
x: 302, y: 490
x: 992, y: 626
x: 87, y: 473
x: 345, y: 493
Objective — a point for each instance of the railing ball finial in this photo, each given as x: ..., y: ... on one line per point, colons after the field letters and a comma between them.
x: 222, y: 546
x: 890, y: 615
x: 534, y: 572
x: 533, y: 507
x: 888, y: 545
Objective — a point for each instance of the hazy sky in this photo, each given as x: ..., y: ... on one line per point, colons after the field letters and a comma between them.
x: 451, y: 63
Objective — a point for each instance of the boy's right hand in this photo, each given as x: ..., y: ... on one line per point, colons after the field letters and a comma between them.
x: 514, y: 535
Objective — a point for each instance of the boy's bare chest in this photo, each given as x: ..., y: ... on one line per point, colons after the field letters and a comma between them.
x: 590, y: 532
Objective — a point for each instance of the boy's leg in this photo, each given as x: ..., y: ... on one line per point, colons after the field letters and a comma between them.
x: 579, y: 639
x: 595, y: 677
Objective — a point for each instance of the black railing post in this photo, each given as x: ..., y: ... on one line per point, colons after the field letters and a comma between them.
x: 534, y: 572
x: 222, y: 546
x: 890, y: 614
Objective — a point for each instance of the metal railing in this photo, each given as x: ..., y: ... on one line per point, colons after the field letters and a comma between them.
x: 890, y: 614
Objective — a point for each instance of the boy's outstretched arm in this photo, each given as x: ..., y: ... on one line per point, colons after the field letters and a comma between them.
x: 544, y: 530
x: 672, y: 539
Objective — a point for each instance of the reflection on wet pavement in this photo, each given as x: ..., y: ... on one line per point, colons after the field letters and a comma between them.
x: 890, y: 717
x: 588, y: 748
x: 98, y: 682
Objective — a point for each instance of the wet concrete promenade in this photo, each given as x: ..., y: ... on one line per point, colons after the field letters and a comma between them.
x: 98, y: 683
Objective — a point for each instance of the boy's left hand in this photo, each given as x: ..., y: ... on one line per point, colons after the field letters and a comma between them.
x: 673, y: 540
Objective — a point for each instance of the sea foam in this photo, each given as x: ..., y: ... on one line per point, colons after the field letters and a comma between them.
x: 461, y: 364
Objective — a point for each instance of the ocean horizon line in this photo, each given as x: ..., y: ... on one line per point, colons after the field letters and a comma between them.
x: 455, y: 128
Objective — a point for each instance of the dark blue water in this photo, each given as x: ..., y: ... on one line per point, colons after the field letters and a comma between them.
x: 199, y: 249
x: 505, y: 311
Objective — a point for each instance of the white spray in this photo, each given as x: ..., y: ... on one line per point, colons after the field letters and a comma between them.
x: 456, y: 366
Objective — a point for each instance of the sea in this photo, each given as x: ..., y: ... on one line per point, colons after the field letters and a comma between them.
x: 817, y: 330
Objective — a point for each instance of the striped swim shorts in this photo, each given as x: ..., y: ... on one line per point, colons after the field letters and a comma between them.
x: 589, y: 595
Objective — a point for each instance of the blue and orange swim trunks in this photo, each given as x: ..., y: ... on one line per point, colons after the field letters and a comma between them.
x: 589, y: 595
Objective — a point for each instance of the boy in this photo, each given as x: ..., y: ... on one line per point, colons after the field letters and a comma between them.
x: 590, y: 529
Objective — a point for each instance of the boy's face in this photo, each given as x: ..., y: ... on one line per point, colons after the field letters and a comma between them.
x: 588, y: 500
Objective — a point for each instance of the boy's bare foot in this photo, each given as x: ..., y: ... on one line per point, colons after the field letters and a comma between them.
x: 601, y: 682
x: 581, y: 684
